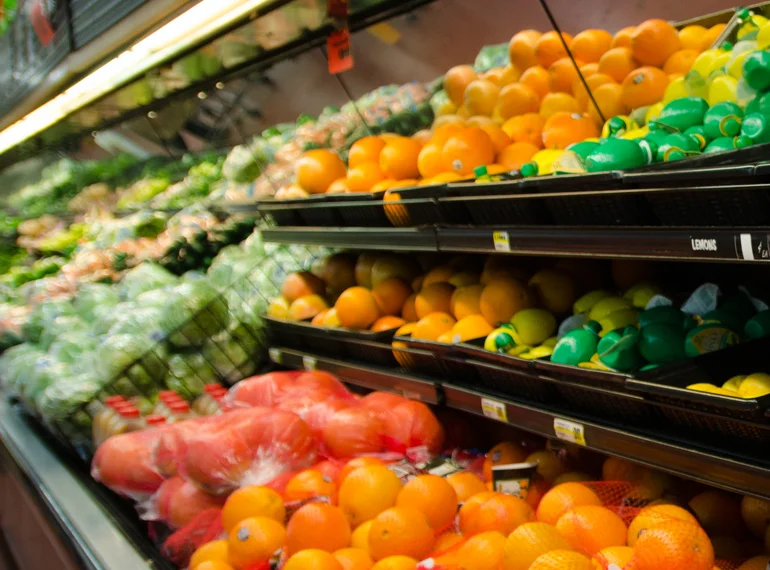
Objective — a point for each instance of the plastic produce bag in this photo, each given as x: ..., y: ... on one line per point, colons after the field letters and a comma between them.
x: 43, y: 315
x: 59, y: 401
x: 265, y: 390
x: 188, y: 374
x: 93, y: 298
x: 491, y: 56
x: 135, y: 358
x: 195, y: 312
x: 145, y: 277
x: 178, y: 502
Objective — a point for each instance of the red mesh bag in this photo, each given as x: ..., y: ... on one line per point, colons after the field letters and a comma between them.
x: 178, y: 502
x: 204, y: 527
x: 412, y: 424
x: 265, y: 390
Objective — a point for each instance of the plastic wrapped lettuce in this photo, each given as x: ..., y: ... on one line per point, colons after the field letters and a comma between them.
x: 93, y: 298
x: 17, y: 364
x: 145, y: 277
x: 43, y: 315
x: 188, y: 373
x: 195, y: 312
x: 59, y: 401
x: 231, y: 360
x: 245, y: 163
x: 135, y: 360
x: 139, y: 321
x: 73, y: 348
x: 45, y: 372
x: 60, y: 326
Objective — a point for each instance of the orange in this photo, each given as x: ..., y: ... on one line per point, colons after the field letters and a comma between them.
x: 515, y: 155
x: 564, y: 129
x: 536, y: 492
x: 620, y: 556
x: 594, y: 82
x: 398, y: 159
x: 591, y: 528
x: 556, y: 102
x: 364, y: 150
x: 363, y: 269
x: 457, y: 80
x: 623, y: 37
x: 396, y: 563
x: 422, y: 136
x: 394, y: 211
x: 609, y: 97
x: 465, y: 301
x: 368, y: 491
x: 317, y: 525
x: 497, y: 135
x: 249, y: 502
x: 439, y: 274
x: 254, y: 540
x: 312, y: 559
x: 483, y: 551
x: 680, y: 61
x: 644, y: 86
x: 530, y: 541
x: 390, y: 295
x: 317, y: 169
x: 339, y: 186
x: 309, y: 484
x: 653, y: 42
x: 307, y: 307
x: 387, y: 323
x: 357, y: 463
x: 481, y: 97
x: 433, y: 496
x: 409, y: 311
x: 360, y: 537
x: 563, y: 560
x: 550, y: 48
x: 321, y: 318
x: 301, y: 284
x: 674, y: 545
x: 466, y: 485
x: 536, y: 78
x: 756, y: 515
x: 443, y: 133
x: 654, y: 515
x: 511, y: 74
x: 502, y: 298
x: 717, y: 512
x: 363, y: 177
x: 382, y: 185
x: 429, y: 160
x: 436, y: 297
x: 469, y: 328
x: 526, y: 128
x: 549, y: 466
x: 432, y: 326
x: 441, y: 178
x: 590, y: 45
x: 211, y: 551
x: 711, y: 36
x: 516, y: 99
x: 562, y: 74
x: 446, y: 541
x: 213, y: 565
x: 521, y: 49
x: 468, y: 149
x: 494, y: 75
x: 617, y: 63
x: 589, y: 69
x: 354, y: 559
x: 400, y: 531
x: 501, y: 513
x: 563, y: 498
x: 357, y: 308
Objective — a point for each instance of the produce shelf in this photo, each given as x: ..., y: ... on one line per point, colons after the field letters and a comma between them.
x: 394, y: 239
x: 655, y: 449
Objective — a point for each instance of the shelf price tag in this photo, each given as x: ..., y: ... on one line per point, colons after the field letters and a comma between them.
x: 569, y: 431
x: 275, y: 355
x: 501, y: 241
x: 309, y: 363
x: 494, y: 409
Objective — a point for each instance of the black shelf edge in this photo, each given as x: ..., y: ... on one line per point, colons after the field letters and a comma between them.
x: 392, y: 239
x: 713, y: 468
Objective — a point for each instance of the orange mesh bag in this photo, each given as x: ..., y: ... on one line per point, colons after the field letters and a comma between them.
x: 205, y: 527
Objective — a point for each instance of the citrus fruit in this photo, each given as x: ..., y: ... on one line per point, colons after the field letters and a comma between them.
x: 562, y: 73
x: 691, y: 37
x: 390, y: 295
x: 510, y: 74
x: 301, y: 284
x: 675, y: 545
x: 563, y: 129
x: 408, y: 311
x: 309, y: 484
x: 457, y: 80
x: 594, y: 82
x: 357, y: 308
x: 620, y: 556
x: 339, y: 186
x: 756, y: 563
x: 481, y: 97
x: 433, y: 325
x: 503, y: 453
x: 549, y: 466
x: 213, y: 565
x: 317, y: 525
x: 446, y: 541
x: 483, y: 551
x: 363, y: 177
x: 562, y: 560
x: 516, y: 99
x: 214, y: 550
x: 680, y: 61
x: 592, y: 528
x: 653, y: 515
x: 360, y: 537
x: 555, y: 290
x: 563, y: 498
x: 502, y: 298
x: 466, y: 150
x: 526, y: 128
x: 254, y: 540
x: 589, y: 69
x: 307, y: 307
x: 387, y: 323
x: 466, y: 485
x: 623, y: 37
x: 398, y: 160
x: 617, y: 63
x: 711, y: 36
x: 497, y: 135
x: 439, y: 274
x: 530, y: 541
x: 367, y: 491
x: 252, y: 501
x: 536, y: 78
x: 560, y: 101
x: 653, y: 42
x: 465, y: 301
x: 312, y: 559
x: 317, y: 169
x: 517, y: 154
x: 400, y: 531
x: 396, y: 563
x: 469, y: 328
x: 521, y: 49
x: 590, y: 45
x: 354, y: 559
x: 549, y: 48
x: 366, y: 149
x: 644, y: 86
x: 756, y: 515
x: 609, y: 97
x: 501, y: 513
x: 363, y: 269
x: 429, y: 161
x: 433, y: 496
x: 436, y: 297
x: 718, y: 513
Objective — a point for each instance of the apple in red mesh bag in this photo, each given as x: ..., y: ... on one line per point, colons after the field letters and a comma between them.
x: 266, y: 390
x: 178, y: 502
x: 354, y: 431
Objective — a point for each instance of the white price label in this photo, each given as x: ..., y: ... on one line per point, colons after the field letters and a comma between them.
x: 275, y: 355
x: 569, y: 431
x: 494, y: 409
x: 501, y: 241
x: 309, y: 363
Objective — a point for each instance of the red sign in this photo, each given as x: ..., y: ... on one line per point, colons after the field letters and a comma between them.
x: 338, y: 50
x: 41, y: 23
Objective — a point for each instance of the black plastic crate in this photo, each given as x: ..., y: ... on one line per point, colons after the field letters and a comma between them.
x: 729, y: 205
x: 378, y: 353
x: 315, y: 210
x: 421, y: 204
x: 495, y: 203
x: 361, y: 210
x: 437, y: 359
x: 512, y: 382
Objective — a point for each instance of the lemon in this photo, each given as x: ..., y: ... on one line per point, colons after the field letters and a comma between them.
x: 719, y: 63
x: 723, y: 88
x: 533, y: 326
x: 618, y: 320
x: 629, y: 122
x: 641, y: 293
x: 587, y: 301
x: 544, y: 160
x: 636, y: 133
x: 677, y: 89
x: 608, y: 305
x: 763, y: 37
x: 550, y: 342
x: 518, y: 350
x: 711, y: 389
x: 756, y: 23
x: 735, y: 67
x: 653, y: 112
x: 703, y: 64
x: 755, y: 385
x: 500, y: 340
x: 734, y: 383
x: 537, y: 352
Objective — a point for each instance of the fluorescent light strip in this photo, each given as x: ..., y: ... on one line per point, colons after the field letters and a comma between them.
x: 199, y: 22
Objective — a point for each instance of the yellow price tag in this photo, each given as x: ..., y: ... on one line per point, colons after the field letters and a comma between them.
x: 569, y: 431
x: 501, y: 241
x: 494, y: 409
